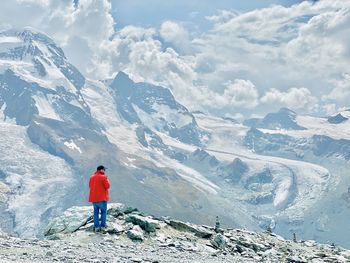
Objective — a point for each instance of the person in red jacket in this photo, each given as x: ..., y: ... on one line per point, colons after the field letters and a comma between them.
x: 98, y: 196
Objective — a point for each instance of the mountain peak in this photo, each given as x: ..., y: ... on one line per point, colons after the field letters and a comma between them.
x: 28, y: 35
x: 122, y: 75
x: 122, y: 80
x: 28, y: 42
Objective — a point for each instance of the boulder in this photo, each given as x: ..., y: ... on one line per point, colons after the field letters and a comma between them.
x: 115, y: 209
x: 199, y: 231
x: 114, y: 228
x: 219, y: 241
x: 78, y: 216
x: 147, y: 224
x: 135, y: 234
x: 71, y: 220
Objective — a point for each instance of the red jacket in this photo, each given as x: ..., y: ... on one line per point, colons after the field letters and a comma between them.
x: 99, y: 185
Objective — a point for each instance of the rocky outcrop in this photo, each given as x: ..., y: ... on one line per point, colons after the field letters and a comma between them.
x: 147, y: 224
x: 132, y: 236
x: 199, y: 231
x: 283, y: 119
x: 135, y: 234
x: 337, y: 119
x: 76, y: 217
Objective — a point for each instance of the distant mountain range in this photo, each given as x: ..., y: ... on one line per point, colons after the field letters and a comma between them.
x: 284, y: 171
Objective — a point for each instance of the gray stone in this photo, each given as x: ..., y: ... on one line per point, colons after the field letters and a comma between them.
x: 188, y: 227
x: 115, y: 209
x: 72, y: 220
x: 135, y: 234
x: 219, y: 241
x: 114, y: 228
x: 147, y: 224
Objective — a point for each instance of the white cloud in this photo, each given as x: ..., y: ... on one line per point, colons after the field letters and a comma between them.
x: 341, y: 90
x: 305, y: 45
x: 241, y: 93
x: 79, y: 31
x: 223, y: 16
x: 176, y: 34
x: 329, y: 109
x: 295, y: 98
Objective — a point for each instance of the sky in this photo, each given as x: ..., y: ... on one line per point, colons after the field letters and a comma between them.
x: 193, y: 13
x: 231, y: 58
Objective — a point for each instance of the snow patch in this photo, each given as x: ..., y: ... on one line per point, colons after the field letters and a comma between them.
x: 45, y: 107
x: 7, y: 39
x: 71, y: 145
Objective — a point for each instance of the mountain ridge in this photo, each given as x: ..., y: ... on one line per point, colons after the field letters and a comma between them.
x: 161, y: 157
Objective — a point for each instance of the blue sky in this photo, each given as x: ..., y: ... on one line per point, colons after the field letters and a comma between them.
x: 152, y: 13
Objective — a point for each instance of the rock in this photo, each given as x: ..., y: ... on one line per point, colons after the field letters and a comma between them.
x: 310, y: 243
x: 135, y: 234
x: 129, y: 210
x: 78, y: 216
x: 128, y: 226
x: 295, y: 259
x: 115, y: 209
x: 251, y: 244
x: 197, y: 230
x: 71, y: 220
x: 147, y: 224
x: 170, y: 241
x: 49, y: 254
x: 114, y: 228
x: 219, y: 241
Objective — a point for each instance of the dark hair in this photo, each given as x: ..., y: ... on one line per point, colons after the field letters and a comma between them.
x: 101, y: 167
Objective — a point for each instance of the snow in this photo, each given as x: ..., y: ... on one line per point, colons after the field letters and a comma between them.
x: 38, y: 180
x: 26, y: 70
x: 104, y: 110
x: 130, y: 159
x: 45, y: 107
x: 163, y: 112
x: 123, y: 135
x: 192, y: 176
x: 317, y: 126
x: 173, y: 142
x: 175, y: 116
x: 310, y: 181
x: 224, y: 134
x: 100, y: 102
x: 8, y: 39
x: 71, y: 145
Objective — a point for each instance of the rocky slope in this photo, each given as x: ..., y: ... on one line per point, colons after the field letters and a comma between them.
x: 132, y: 236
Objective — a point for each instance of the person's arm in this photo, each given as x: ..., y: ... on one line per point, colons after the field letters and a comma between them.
x: 106, y: 183
x: 90, y: 183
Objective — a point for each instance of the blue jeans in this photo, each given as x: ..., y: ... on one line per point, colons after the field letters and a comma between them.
x: 100, y: 207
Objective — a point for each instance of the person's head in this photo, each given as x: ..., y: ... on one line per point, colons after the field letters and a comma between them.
x: 101, y: 168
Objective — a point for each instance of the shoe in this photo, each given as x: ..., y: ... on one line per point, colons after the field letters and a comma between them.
x: 103, y: 229
x: 97, y: 229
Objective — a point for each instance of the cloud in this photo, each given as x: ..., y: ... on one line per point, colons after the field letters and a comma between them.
x: 79, y: 30
x: 294, y: 98
x: 341, y: 90
x: 276, y: 48
x: 176, y: 34
x: 241, y: 93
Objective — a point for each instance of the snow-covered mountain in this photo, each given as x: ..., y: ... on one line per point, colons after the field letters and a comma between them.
x: 284, y: 171
x: 58, y: 126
